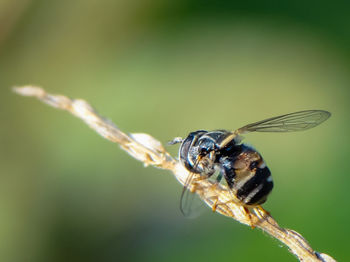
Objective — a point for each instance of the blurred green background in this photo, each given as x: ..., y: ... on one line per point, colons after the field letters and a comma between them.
x: 168, y: 68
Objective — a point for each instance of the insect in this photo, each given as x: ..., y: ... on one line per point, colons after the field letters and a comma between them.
x: 241, y: 166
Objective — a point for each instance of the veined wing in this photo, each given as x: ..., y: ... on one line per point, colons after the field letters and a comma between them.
x: 297, y: 121
x: 191, y: 205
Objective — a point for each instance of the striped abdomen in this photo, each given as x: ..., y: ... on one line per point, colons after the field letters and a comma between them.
x: 247, y: 174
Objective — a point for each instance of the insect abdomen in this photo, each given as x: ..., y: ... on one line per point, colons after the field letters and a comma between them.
x: 247, y: 174
x: 257, y: 188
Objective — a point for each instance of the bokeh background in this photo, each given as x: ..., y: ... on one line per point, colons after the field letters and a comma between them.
x: 168, y: 68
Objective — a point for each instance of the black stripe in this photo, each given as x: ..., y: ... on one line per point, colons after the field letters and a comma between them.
x: 260, y: 178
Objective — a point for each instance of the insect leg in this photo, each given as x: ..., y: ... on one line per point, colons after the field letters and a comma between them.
x: 215, y: 200
x: 261, y: 212
x: 249, y: 216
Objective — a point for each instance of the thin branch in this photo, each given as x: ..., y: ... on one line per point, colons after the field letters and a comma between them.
x: 150, y: 151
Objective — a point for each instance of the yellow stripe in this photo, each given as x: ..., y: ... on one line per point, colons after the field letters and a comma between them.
x: 227, y: 140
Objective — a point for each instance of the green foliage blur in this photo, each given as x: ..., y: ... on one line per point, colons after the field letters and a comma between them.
x: 167, y: 68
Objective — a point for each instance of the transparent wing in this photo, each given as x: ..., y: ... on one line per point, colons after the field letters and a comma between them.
x: 297, y: 121
x: 191, y: 205
x: 184, y: 198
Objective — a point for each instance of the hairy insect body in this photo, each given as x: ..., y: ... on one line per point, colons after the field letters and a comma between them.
x: 241, y: 166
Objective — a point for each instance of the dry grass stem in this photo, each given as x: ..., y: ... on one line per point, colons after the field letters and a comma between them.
x: 150, y: 151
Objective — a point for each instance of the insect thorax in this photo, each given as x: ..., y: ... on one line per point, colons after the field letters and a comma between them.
x: 199, y: 151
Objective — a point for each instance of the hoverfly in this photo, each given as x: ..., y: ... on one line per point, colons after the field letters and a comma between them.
x: 241, y: 166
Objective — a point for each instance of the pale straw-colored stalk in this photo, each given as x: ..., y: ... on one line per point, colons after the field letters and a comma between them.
x: 150, y: 151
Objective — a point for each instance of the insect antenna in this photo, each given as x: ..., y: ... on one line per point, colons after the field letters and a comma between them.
x: 176, y: 140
